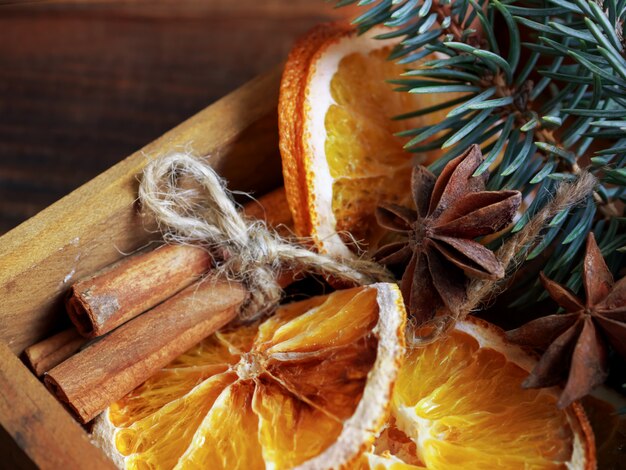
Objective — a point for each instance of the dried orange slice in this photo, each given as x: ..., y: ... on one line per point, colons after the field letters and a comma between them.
x: 608, y: 424
x: 340, y: 154
x: 458, y: 403
x: 308, y: 387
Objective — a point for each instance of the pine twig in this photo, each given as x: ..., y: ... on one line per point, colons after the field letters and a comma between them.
x: 514, y: 250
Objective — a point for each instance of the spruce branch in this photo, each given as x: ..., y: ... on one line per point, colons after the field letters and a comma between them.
x: 541, y: 86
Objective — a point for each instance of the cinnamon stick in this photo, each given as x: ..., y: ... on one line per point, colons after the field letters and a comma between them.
x: 43, y: 356
x: 135, y: 284
x: 109, y: 369
x: 101, y: 303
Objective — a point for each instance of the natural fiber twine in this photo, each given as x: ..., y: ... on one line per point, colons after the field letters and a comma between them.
x: 513, y: 252
x: 192, y: 206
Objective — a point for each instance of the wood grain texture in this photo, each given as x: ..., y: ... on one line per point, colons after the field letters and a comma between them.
x: 86, y: 230
x: 39, y: 425
x: 13, y: 458
x: 90, y: 228
x: 83, y: 84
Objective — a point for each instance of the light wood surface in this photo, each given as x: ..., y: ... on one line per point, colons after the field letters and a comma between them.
x: 83, y: 84
x: 95, y: 224
x: 39, y: 425
x: 91, y: 228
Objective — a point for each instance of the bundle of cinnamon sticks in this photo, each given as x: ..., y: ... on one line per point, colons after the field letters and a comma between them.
x: 138, y: 315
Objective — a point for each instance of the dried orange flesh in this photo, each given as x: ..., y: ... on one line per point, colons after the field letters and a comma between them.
x: 366, y: 159
x: 340, y: 149
x: 360, y: 140
x: 459, y: 405
x: 269, y: 395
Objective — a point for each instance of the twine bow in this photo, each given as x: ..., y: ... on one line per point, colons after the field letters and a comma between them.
x: 192, y: 205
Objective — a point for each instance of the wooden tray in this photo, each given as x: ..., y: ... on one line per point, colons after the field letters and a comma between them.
x: 89, y: 229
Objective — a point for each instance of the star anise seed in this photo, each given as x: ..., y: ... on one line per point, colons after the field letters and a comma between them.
x: 440, y: 252
x: 575, y: 342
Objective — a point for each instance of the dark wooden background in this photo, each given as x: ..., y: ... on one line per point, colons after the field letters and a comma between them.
x: 84, y: 84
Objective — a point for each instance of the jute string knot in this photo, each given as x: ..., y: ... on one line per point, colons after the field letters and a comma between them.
x: 191, y: 205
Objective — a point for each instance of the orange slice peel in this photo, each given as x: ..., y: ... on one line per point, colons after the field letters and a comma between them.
x: 458, y: 403
x: 340, y: 149
x: 307, y: 388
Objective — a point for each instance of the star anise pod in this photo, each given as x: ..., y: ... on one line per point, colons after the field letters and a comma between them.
x: 440, y: 251
x: 575, y: 342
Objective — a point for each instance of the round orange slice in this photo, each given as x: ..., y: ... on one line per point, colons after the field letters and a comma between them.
x: 340, y: 152
x: 308, y: 388
x: 458, y: 403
